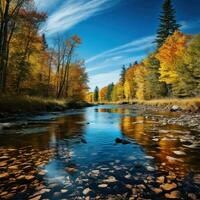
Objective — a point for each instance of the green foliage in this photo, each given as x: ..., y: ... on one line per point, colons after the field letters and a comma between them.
x: 168, y: 23
x: 96, y: 94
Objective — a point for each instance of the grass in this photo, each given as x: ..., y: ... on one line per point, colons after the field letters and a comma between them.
x: 18, y: 104
x: 188, y: 104
x: 27, y: 104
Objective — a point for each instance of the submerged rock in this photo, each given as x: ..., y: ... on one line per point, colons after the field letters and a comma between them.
x: 110, y: 179
x: 86, y: 191
x: 173, y: 195
x: 168, y: 186
x: 103, y: 185
x: 122, y: 141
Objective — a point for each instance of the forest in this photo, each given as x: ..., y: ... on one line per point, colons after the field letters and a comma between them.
x: 170, y: 71
x: 31, y: 67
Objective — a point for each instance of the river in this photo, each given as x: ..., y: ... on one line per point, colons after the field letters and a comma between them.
x: 74, y: 155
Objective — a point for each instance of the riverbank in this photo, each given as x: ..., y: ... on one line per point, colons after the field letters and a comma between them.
x: 15, y: 105
x: 183, y: 112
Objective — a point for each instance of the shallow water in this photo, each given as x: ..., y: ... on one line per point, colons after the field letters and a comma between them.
x: 73, y: 155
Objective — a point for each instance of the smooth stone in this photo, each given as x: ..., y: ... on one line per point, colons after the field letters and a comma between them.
x: 4, y: 176
x: 160, y: 179
x: 156, y: 190
x: 179, y: 153
x: 64, y: 191
x: 3, y: 163
x: 150, y: 169
x: 168, y: 186
x: 110, y: 179
x: 173, y: 195
x: 196, y: 179
x: 172, y: 159
x: 29, y: 178
x: 103, y: 185
x: 14, y: 167
x: 86, y: 191
x: 192, y: 196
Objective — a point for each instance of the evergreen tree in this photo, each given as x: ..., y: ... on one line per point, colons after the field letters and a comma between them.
x: 168, y: 24
x: 96, y: 94
x: 122, y: 75
x: 109, y: 92
x: 44, y: 41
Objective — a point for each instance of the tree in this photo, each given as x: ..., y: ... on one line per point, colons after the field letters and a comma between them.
x: 109, y: 92
x: 122, y: 75
x: 96, y: 94
x: 168, y: 24
x: 170, y: 56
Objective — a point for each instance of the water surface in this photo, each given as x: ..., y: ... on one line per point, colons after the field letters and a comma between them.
x: 73, y: 155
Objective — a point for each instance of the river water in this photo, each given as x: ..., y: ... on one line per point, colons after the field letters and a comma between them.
x: 74, y: 155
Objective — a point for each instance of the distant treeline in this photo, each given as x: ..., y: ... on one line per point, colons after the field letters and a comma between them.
x: 172, y: 70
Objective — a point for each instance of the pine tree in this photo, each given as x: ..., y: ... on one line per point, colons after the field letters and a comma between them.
x: 168, y: 24
x: 96, y: 94
x: 122, y: 75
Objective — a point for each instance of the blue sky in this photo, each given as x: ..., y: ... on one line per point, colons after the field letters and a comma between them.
x: 114, y: 32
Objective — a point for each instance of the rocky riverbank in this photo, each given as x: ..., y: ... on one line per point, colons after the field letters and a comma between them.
x: 169, y: 115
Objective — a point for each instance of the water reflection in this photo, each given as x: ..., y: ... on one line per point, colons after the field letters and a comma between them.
x: 73, y: 155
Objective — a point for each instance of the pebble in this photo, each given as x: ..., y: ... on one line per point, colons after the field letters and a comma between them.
x: 86, y: 191
x: 168, y: 186
x: 173, y: 195
x: 103, y: 185
x: 110, y: 179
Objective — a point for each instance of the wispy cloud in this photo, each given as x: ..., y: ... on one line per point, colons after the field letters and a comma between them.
x: 133, y: 46
x: 188, y: 25
x: 72, y: 12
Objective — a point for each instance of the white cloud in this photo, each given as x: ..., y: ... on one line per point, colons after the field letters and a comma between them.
x: 188, y: 25
x: 133, y: 46
x: 72, y: 12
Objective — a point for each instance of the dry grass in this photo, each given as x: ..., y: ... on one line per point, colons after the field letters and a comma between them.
x: 192, y: 104
x: 18, y: 104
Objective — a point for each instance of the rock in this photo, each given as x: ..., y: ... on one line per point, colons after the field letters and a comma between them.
x: 192, y: 196
x: 86, y: 191
x: 156, y: 190
x: 179, y: 153
x: 83, y: 141
x: 172, y: 159
x: 3, y: 163
x: 173, y: 195
x: 160, y: 179
x: 129, y: 186
x: 122, y: 141
x: 196, y: 179
x: 168, y: 186
x: 150, y: 169
x: 4, y: 176
x: 64, y: 191
x: 71, y: 169
x: 110, y: 179
x: 14, y: 167
x: 103, y: 185
x: 175, y: 108
x: 29, y: 178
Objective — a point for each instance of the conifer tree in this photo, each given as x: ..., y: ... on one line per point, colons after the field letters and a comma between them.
x: 168, y: 24
x: 122, y: 75
x: 96, y: 94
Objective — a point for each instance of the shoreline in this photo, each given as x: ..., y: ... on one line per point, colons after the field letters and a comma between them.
x: 17, y: 106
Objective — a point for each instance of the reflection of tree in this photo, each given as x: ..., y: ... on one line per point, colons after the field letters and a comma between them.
x: 140, y: 130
